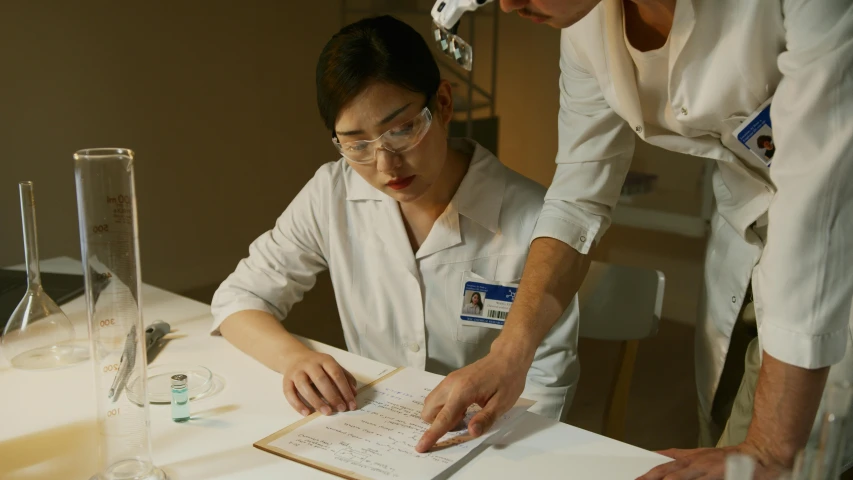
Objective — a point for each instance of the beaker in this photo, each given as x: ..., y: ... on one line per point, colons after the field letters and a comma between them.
x: 106, y: 205
x: 38, y: 334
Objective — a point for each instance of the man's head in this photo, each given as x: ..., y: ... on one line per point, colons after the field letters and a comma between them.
x: 555, y: 13
x: 765, y: 142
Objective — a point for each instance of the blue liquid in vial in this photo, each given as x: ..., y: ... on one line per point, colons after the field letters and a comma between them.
x: 180, y: 404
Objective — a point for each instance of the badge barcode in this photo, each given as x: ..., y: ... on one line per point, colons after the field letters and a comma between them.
x: 496, y: 314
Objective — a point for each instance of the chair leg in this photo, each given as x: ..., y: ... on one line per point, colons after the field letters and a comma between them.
x: 617, y: 401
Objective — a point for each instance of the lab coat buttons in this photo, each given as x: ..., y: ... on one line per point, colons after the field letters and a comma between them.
x: 734, y: 299
x: 414, y: 347
x: 583, y: 238
x: 683, y: 111
x: 639, y: 129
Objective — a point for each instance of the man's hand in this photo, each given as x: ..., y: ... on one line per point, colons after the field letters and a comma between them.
x: 552, y: 275
x: 710, y: 464
x: 786, y: 401
x: 315, y: 380
x: 494, y: 382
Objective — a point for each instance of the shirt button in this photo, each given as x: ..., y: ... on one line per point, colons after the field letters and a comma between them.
x: 639, y: 129
x: 583, y: 239
x: 683, y: 110
x: 414, y: 347
x: 734, y: 299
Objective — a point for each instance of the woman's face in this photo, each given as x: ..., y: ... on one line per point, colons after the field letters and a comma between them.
x: 475, y: 299
x: 409, y: 175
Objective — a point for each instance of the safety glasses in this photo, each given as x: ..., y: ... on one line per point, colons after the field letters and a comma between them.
x: 399, y: 139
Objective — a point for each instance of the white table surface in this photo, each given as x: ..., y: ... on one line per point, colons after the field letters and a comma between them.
x: 48, y: 426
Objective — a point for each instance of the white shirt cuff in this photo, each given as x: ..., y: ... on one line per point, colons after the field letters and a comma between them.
x: 803, y: 350
x: 576, y: 236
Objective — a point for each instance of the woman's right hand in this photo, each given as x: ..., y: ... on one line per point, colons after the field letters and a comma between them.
x: 312, y: 377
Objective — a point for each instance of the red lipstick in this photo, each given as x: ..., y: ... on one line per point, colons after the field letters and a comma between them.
x: 400, y: 183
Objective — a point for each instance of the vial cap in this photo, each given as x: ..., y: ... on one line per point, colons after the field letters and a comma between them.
x: 179, y: 380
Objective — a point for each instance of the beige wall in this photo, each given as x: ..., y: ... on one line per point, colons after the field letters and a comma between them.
x: 217, y: 99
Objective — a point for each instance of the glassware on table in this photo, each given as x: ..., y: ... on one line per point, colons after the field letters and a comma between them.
x: 38, y: 335
x: 106, y: 204
x: 821, y: 459
x: 739, y: 467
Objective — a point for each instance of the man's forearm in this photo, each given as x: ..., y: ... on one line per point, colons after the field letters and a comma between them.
x: 786, y: 402
x: 552, y: 275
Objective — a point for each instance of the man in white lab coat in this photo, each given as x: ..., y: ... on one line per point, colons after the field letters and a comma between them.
x: 683, y: 75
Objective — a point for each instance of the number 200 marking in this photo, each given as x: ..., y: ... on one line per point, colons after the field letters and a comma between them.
x: 101, y: 228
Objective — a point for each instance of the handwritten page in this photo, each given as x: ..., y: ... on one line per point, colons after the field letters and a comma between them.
x: 377, y: 441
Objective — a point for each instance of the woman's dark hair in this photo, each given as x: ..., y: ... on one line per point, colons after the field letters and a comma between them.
x: 479, y: 299
x: 764, y: 138
x: 373, y: 49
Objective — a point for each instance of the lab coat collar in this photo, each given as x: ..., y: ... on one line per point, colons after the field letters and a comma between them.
x: 358, y: 188
x: 481, y: 193
x: 683, y: 24
x: 621, y: 64
x: 479, y: 196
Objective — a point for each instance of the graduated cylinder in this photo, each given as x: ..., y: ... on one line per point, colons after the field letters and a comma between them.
x: 106, y: 203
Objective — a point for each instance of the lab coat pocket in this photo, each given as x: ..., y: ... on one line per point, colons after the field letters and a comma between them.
x: 454, y: 291
x: 733, y: 144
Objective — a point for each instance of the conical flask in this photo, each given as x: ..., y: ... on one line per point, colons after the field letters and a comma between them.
x: 38, y: 335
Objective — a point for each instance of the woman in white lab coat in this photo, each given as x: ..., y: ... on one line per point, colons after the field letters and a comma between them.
x: 400, y: 222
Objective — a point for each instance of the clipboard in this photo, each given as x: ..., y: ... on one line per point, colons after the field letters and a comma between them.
x: 453, y: 450
x: 265, y: 443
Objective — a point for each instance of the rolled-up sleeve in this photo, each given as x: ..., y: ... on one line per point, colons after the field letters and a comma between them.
x: 804, y: 281
x: 594, y: 154
x: 284, y: 262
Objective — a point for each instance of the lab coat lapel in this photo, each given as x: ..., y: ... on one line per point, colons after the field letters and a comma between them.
x: 683, y: 24
x: 385, y: 221
x: 479, y: 198
x: 388, y: 224
x: 444, y: 233
x: 621, y: 65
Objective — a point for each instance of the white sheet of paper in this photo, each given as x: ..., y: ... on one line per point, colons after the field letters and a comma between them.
x: 378, y: 440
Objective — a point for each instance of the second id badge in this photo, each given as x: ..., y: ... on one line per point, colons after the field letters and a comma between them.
x: 485, y: 303
x: 756, y: 134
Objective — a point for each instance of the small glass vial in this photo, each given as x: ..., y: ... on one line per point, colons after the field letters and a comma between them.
x: 180, y: 398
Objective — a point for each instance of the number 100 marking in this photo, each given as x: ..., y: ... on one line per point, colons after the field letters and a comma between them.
x: 114, y: 412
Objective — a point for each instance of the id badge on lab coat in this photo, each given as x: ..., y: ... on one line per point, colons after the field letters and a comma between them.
x: 756, y: 134
x: 495, y: 301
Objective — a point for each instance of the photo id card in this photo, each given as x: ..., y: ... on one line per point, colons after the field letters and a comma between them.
x: 756, y: 134
x: 485, y: 303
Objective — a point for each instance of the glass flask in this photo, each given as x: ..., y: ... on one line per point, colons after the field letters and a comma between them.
x: 38, y: 335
